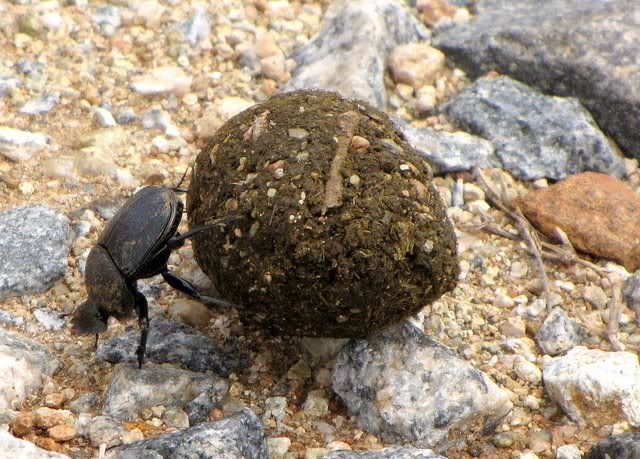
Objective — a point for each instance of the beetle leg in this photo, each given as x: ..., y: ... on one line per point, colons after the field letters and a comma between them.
x: 178, y: 240
x: 142, y: 308
x: 187, y: 287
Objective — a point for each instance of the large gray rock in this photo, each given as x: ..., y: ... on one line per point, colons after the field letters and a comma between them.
x: 559, y: 333
x: 171, y: 342
x: 595, y: 387
x: 349, y: 55
x: 534, y: 135
x: 11, y: 446
x: 395, y: 452
x: 235, y: 437
x: 582, y: 48
x: 622, y: 446
x: 450, y: 152
x: 132, y: 390
x: 408, y: 388
x: 34, y: 244
x: 23, y: 366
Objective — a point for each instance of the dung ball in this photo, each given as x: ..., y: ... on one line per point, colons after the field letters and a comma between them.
x: 338, y: 229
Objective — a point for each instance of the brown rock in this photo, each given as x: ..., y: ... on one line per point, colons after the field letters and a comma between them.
x: 62, y: 432
x: 49, y: 444
x: 600, y: 214
x: 416, y: 64
x: 47, y: 418
x: 431, y: 11
x: 54, y: 400
x: 23, y: 424
x: 190, y: 312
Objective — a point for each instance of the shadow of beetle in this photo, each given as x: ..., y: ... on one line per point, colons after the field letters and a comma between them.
x: 136, y: 244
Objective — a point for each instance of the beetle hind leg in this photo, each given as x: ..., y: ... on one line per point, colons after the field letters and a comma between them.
x: 142, y: 308
x: 187, y: 287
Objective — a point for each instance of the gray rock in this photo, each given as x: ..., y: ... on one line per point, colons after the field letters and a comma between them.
x: 23, y: 364
x: 621, y: 446
x: 8, y: 318
x: 10, y: 136
x: 198, y: 409
x: 27, y: 67
x: 34, y: 244
x: 352, y: 60
x: 7, y: 84
x: 84, y: 403
x: 238, y: 436
x: 104, y: 429
x: 581, y: 48
x: 595, y: 387
x: 132, y: 390
x: 11, y: 446
x: 559, y: 333
x: 52, y: 320
x: 156, y: 118
x: 408, y: 388
x: 318, y: 352
x: 534, y: 135
x: 395, y: 452
x: 568, y: 452
x: 104, y: 117
x: 172, y: 342
x: 631, y: 294
x: 449, y: 151
x: 41, y: 105
x: 107, y: 18
x: 126, y: 116
x: 175, y: 417
x: 197, y: 28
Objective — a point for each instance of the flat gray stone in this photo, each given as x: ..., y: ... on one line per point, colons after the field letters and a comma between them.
x: 582, y: 48
x: 407, y: 388
x: 34, y: 244
x: 395, y: 452
x: 534, y: 135
x: 11, y: 446
x: 132, y: 389
x: 239, y: 436
x: 449, y: 151
x: 349, y: 54
x: 172, y: 342
x: 23, y: 365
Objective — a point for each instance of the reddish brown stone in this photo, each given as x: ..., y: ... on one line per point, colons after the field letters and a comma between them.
x: 600, y: 214
x: 49, y: 444
x: 62, y: 432
x: 23, y: 424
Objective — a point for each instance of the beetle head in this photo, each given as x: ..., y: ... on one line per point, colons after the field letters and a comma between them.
x: 88, y: 319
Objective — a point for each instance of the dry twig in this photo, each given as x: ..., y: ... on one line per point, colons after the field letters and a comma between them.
x: 525, y: 230
x: 615, y: 310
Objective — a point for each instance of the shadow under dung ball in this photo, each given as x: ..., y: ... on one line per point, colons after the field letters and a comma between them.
x: 340, y: 230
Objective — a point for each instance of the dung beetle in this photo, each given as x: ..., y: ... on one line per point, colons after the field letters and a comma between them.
x: 135, y: 244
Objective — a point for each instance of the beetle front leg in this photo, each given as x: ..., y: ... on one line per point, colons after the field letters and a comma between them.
x: 142, y: 308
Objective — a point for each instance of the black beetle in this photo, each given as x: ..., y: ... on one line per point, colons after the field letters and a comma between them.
x: 135, y: 244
